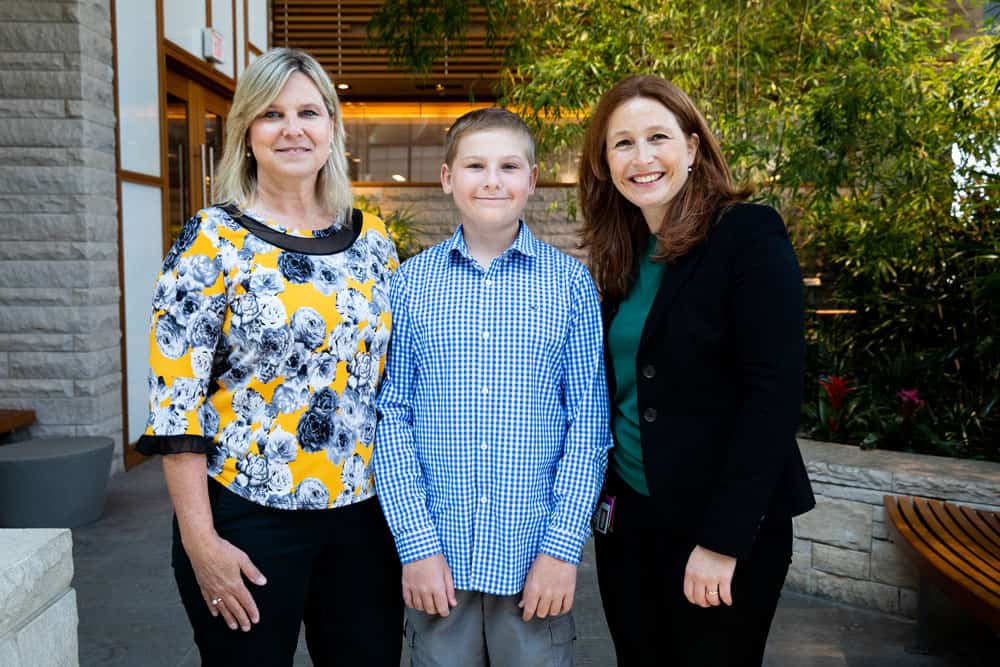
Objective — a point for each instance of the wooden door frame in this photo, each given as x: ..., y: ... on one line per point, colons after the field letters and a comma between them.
x: 200, y: 99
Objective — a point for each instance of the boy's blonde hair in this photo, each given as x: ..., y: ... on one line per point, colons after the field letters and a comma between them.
x: 260, y: 84
x: 480, y: 120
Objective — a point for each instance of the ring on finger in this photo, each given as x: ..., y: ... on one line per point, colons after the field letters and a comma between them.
x: 715, y: 592
x: 216, y: 601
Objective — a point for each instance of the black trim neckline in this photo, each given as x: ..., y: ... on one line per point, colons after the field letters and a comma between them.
x: 331, y: 244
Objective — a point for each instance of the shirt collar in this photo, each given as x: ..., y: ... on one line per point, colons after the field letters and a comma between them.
x: 524, y: 243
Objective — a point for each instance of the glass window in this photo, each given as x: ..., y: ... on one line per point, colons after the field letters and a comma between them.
x: 404, y: 142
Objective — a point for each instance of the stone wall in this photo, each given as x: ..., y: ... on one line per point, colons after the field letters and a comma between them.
x: 59, y: 292
x: 843, y: 550
x: 38, y: 619
x: 548, y: 213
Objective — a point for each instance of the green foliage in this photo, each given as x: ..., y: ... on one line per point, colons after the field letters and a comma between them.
x: 876, y: 135
x: 416, y: 33
x: 403, y: 228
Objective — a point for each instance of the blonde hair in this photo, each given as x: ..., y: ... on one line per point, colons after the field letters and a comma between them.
x: 261, y: 83
x: 481, y: 120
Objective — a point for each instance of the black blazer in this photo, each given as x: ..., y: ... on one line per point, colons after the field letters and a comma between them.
x: 719, y: 381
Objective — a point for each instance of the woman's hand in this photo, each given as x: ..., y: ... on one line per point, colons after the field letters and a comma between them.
x: 218, y: 566
x: 708, y: 577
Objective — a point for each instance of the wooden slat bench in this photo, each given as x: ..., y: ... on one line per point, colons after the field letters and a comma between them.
x: 956, y: 548
x: 11, y: 420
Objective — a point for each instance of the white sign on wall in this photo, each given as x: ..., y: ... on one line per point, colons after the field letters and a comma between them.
x: 213, y: 45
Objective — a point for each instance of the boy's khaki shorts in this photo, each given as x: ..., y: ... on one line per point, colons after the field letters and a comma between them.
x: 488, y: 625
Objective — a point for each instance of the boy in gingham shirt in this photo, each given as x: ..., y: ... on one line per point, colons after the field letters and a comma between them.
x: 493, y: 432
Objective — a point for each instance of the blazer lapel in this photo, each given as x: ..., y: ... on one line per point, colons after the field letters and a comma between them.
x: 674, y: 278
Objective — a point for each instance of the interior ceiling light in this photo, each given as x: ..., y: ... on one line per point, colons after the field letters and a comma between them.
x: 399, y: 178
x: 438, y: 87
x: 343, y: 86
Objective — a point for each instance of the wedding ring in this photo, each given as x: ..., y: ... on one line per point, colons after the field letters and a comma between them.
x: 711, y: 592
x: 216, y: 601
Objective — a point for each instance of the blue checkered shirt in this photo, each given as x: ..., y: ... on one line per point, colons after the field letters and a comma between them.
x: 493, y: 432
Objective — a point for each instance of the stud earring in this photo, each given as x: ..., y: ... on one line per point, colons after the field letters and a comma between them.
x: 689, y: 169
x: 249, y: 156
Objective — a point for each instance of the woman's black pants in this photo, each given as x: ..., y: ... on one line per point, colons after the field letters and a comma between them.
x: 335, y: 570
x: 640, y: 568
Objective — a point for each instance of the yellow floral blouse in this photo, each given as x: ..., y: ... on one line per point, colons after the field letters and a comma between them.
x: 268, y: 360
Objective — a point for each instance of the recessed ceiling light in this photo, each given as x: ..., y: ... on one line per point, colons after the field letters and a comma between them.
x: 355, y: 159
x: 343, y: 86
x: 399, y: 178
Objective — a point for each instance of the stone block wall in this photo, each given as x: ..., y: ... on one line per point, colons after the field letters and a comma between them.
x: 843, y: 549
x: 548, y: 213
x: 59, y: 292
x: 38, y: 618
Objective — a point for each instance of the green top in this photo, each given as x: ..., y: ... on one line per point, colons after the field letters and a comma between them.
x: 623, y: 341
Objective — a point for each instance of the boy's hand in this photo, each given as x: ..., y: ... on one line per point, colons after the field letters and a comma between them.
x: 427, y: 585
x: 548, y: 588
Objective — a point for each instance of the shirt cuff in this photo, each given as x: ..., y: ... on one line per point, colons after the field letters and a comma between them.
x: 151, y: 445
x: 419, y: 544
x: 563, y: 545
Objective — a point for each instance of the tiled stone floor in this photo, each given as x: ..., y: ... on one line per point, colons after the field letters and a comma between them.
x: 130, y: 614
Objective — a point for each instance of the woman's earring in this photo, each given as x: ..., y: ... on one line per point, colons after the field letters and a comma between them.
x: 689, y: 169
x: 249, y: 155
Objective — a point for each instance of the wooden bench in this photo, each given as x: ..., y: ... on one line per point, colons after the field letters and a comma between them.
x: 955, y: 548
x: 11, y: 420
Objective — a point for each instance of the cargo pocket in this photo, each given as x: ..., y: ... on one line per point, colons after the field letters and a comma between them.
x: 418, y: 657
x: 409, y: 634
x: 563, y: 630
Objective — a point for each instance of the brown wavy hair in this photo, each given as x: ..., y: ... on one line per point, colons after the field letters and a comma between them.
x: 614, y: 231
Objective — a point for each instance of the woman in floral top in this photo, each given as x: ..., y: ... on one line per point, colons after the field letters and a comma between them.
x: 269, y: 333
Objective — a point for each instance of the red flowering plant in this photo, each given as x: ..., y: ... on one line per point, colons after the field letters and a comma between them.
x: 911, y: 405
x: 834, y: 407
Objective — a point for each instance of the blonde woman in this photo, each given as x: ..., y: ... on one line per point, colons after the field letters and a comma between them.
x: 269, y: 333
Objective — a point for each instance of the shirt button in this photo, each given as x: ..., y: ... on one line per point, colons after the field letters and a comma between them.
x: 486, y: 335
x: 483, y: 446
x: 486, y: 390
x: 649, y: 372
x: 483, y: 500
x: 649, y: 414
x: 488, y: 282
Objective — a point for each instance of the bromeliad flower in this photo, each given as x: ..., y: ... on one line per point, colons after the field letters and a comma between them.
x: 837, y: 389
x: 912, y: 397
x: 911, y: 403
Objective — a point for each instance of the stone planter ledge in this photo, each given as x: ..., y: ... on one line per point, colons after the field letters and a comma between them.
x: 842, y: 549
x: 38, y: 617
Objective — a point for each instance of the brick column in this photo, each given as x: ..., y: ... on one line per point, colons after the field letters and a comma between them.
x: 59, y: 294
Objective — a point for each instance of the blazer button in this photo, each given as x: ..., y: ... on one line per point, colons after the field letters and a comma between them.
x: 649, y: 414
x: 649, y: 371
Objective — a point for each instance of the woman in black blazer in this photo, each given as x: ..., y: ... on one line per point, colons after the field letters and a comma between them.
x: 704, y: 343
